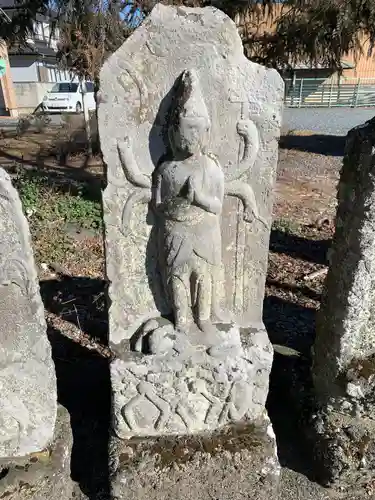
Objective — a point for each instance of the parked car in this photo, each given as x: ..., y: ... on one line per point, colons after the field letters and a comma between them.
x: 68, y: 96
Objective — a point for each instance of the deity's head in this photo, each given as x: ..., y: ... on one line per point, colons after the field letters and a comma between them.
x: 189, y: 126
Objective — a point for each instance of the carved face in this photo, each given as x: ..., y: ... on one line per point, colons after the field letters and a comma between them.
x: 191, y: 136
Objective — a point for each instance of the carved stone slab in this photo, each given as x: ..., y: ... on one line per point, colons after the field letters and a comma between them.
x: 137, y: 93
x: 343, y: 428
x: 194, y: 390
x: 189, y: 130
x: 27, y: 375
x: 345, y: 333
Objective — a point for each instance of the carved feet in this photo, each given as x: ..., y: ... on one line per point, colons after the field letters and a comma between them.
x: 159, y: 336
x: 156, y: 336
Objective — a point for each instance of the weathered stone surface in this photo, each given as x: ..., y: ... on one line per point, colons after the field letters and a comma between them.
x: 194, y: 390
x: 27, y: 376
x: 43, y: 475
x: 346, y: 327
x: 344, y: 351
x: 344, y: 451
x: 235, y: 463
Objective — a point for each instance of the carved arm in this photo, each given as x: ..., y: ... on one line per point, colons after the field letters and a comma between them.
x: 244, y: 192
x: 130, y: 166
x: 249, y: 132
x: 142, y: 196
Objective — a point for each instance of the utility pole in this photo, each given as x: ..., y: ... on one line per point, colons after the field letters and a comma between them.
x: 6, y: 83
x: 6, y: 80
x: 86, y: 116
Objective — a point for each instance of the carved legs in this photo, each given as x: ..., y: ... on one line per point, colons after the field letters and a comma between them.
x: 204, y: 294
x: 192, y: 288
x: 204, y: 297
x: 191, y: 293
x: 217, y: 314
x: 146, y: 392
x: 180, y: 297
x: 204, y: 301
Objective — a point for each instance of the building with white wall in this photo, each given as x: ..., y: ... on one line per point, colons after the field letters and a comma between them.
x: 33, y: 66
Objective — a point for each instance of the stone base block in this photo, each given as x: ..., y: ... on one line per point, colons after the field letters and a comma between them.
x: 343, y: 430
x: 344, y: 451
x: 193, y: 388
x: 42, y: 475
x: 232, y: 464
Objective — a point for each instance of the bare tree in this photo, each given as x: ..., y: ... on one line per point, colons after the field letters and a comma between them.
x: 313, y: 31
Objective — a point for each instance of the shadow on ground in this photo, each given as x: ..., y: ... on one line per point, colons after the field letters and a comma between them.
x: 329, y: 145
x: 300, y: 247
x: 293, y: 326
x: 81, y: 301
x: 83, y: 382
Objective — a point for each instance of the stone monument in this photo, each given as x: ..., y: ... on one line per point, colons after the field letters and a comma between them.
x: 189, y: 131
x: 344, y: 351
x: 28, y: 400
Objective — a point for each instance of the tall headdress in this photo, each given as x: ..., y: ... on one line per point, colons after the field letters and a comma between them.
x: 188, y: 104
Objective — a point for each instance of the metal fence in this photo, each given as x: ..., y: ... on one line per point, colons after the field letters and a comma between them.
x: 321, y: 92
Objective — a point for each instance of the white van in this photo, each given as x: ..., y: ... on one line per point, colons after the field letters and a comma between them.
x: 67, y: 96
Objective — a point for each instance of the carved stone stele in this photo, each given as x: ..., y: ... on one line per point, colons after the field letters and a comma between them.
x: 343, y: 427
x: 189, y: 131
x: 28, y: 399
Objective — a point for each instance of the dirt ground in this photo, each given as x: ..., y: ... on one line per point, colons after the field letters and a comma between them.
x: 73, y: 287
x: 304, y: 210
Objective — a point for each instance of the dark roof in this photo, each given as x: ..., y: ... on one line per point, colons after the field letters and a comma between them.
x: 32, y: 50
x: 9, y: 9
x: 308, y: 66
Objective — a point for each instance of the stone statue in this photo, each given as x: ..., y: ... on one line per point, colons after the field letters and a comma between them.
x: 186, y: 192
x: 189, y: 131
x: 27, y: 375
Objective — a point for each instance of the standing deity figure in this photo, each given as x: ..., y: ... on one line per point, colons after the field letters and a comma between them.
x: 189, y: 195
x: 187, y: 192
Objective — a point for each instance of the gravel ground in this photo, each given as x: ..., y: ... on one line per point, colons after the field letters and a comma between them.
x: 308, y: 172
x: 336, y: 121
x: 311, y: 156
